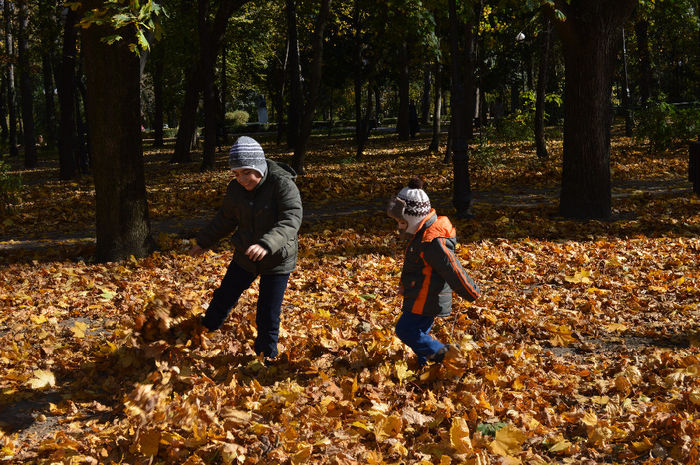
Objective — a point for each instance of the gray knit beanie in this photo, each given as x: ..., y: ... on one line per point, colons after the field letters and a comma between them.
x: 246, y: 153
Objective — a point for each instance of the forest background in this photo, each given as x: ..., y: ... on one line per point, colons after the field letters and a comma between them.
x: 557, y: 135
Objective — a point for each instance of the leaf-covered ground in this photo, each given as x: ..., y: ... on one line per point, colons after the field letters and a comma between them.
x: 583, y: 349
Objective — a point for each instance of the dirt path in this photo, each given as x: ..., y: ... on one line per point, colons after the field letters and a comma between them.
x: 513, y: 198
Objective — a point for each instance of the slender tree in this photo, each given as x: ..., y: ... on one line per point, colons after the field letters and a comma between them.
x: 542, y: 78
x: 309, y: 107
x: 8, y: 13
x: 25, y: 85
x: 437, y: 108
x: 66, y: 98
x: 462, y: 102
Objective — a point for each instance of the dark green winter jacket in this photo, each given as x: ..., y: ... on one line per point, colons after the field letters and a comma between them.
x: 269, y: 215
x: 431, y: 270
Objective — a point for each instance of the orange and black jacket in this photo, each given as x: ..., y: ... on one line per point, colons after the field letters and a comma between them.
x: 431, y: 270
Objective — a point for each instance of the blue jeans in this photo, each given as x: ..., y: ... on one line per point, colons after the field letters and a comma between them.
x: 267, y: 318
x: 413, y: 331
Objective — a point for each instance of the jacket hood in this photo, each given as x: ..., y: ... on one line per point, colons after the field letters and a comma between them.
x: 282, y: 169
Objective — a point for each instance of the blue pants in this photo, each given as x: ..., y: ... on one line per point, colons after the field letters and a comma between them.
x: 413, y: 331
x: 267, y: 318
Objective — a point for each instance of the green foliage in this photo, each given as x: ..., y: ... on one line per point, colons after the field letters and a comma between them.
x: 10, y: 186
x: 237, y: 118
x: 490, y: 429
x: 119, y: 14
x: 519, y: 125
x: 662, y: 125
x: 484, y: 154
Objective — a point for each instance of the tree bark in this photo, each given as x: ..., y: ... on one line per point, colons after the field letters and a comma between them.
x: 3, y: 109
x: 542, y: 78
x: 462, y: 103
x: 11, y: 105
x: 66, y: 98
x: 437, y: 109
x: 590, y: 37
x: 188, y: 118
x: 30, y: 155
x: 296, y: 98
x: 113, y: 106
x: 207, y: 58
x: 313, y: 89
x: 402, y: 125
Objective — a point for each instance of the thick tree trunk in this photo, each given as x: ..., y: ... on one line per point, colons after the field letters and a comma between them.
x: 437, y: 110
x: 462, y: 103
x: 112, y: 71
x: 590, y: 38
x: 313, y: 89
x: 542, y: 78
x: 66, y: 98
x: 30, y: 156
x: 642, y: 32
x: 403, y: 124
x: 11, y: 105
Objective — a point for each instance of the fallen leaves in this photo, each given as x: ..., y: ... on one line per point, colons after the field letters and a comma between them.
x: 580, y: 351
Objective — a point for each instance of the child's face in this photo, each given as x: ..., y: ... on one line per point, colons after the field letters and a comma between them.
x: 247, y: 178
x: 402, y: 225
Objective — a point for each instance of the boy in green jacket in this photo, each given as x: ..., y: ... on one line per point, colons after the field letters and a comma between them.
x: 431, y: 271
x: 263, y: 209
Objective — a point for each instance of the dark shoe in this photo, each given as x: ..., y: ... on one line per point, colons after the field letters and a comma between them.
x: 449, y: 350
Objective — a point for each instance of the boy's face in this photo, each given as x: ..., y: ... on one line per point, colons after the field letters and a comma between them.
x: 247, y: 178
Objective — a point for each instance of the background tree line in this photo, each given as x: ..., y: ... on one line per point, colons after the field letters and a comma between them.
x: 86, y: 80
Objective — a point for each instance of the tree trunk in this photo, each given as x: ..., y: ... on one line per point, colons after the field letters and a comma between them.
x: 11, y: 106
x: 403, y: 124
x: 224, y: 96
x: 188, y: 118
x: 280, y: 79
x: 437, y: 110
x: 314, y: 88
x: 590, y: 38
x: 642, y: 32
x: 462, y: 103
x: 49, y: 103
x: 158, y: 109
x: 542, y: 77
x: 425, y: 100
x: 296, y: 98
x: 30, y: 156
x: 201, y: 77
x: 66, y: 98
x: 3, y: 109
x: 112, y: 71
x: 207, y: 57
x: 82, y: 143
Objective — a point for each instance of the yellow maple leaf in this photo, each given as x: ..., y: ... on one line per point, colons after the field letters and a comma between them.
x: 42, y: 379
x: 402, y: 371
x: 79, y: 329
x: 459, y: 436
x: 508, y: 441
x: 582, y: 276
x: 303, y: 454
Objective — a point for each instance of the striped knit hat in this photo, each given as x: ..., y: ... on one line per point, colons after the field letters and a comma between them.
x: 417, y: 204
x: 246, y: 153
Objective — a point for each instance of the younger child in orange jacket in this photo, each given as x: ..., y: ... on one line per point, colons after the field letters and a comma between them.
x: 431, y: 271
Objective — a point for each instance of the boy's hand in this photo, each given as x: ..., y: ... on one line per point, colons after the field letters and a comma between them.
x: 256, y: 252
x: 195, y: 251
